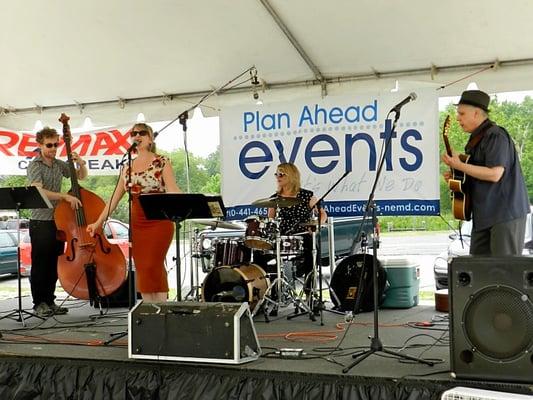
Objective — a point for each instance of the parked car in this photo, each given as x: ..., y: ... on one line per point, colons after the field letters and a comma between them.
x: 115, y: 231
x: 8, y: 252
x: 25, y: 253
x: 460, y: 246
x: 12, y: 224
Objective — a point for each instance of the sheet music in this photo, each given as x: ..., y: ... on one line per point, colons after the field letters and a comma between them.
x: 216, y: 210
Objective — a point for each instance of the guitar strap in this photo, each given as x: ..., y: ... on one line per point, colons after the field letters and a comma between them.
x: 474, y: 141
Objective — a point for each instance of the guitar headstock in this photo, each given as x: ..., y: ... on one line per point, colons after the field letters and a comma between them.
x: 64, y: 118
x: 445, y: 129
x: 446, y: 126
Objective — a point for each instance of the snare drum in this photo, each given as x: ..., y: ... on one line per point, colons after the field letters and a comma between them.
x: 258, y: 234
x: 247, y: 282
x: 290, y: 246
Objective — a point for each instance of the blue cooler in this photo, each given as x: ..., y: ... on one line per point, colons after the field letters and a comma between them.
x: 403, y: 275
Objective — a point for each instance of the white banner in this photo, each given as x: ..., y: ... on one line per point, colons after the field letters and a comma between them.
x: 102, y: 149
x: 326, y: 138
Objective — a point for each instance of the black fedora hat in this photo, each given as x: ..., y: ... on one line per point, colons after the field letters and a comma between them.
x: 476, y: 98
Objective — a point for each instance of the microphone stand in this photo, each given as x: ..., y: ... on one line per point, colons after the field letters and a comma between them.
x: 376, y: 345
x: 132, y: 292
x: 321, y: 306
x: 182, y: 118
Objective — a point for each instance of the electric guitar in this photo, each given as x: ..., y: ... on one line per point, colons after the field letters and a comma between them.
x: 458, y: 183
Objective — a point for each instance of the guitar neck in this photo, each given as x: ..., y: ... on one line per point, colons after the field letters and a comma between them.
x: 447, y: 144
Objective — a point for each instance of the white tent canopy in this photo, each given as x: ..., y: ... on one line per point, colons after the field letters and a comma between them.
x: 113, y: 59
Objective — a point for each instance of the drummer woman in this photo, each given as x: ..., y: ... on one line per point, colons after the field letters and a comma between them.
x: 292, y: 219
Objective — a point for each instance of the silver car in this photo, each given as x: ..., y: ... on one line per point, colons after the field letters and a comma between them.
x: 460, y: 246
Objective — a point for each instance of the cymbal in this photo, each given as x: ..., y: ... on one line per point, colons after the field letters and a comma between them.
x: 215, y: 223
x: 277, y: 201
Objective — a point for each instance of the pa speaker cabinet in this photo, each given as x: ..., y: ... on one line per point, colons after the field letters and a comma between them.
x: 491, y: 320
x: 189, y: 331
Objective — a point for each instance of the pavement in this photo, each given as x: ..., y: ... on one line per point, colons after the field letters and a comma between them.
x: 419, y: 247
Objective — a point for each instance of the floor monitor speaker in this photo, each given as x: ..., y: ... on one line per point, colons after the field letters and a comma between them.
x: 191, y: 331
x: 491, y: 320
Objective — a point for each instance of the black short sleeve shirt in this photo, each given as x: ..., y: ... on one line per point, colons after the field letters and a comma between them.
x: 507, y: 199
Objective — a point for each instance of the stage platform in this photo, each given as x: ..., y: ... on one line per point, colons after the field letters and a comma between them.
x: 65, y: 357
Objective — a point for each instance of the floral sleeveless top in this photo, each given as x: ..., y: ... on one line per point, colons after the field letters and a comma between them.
x: 149, y: 180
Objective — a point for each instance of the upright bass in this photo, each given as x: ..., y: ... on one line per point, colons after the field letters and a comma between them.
x: 91, y: 267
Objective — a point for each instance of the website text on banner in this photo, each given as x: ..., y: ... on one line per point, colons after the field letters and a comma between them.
x: 325, y: 138
x: 103, y: 150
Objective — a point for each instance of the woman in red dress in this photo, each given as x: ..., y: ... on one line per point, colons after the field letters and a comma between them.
x: 150, y: 173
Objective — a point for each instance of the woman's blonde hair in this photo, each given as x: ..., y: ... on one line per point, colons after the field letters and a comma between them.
x: 293, y: 176
x: 148, y: 128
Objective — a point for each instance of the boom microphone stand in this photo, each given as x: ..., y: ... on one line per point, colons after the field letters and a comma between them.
x: 182, y: 118
x: 376, y: 345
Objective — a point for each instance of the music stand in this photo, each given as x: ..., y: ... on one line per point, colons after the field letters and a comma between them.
x: 179, y: 207
x: 22, y: 198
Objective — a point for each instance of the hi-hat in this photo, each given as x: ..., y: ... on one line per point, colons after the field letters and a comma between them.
x: 277, y: 201
x: 215, y: 223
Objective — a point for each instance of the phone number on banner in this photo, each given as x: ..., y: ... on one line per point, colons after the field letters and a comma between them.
x: 243, y: 212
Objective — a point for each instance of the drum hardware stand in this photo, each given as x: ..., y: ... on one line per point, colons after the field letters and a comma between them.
x: 317, y: 254
x: 194, y: 292
x: 21, y: 198
x: 314, y: 297
x: 279, y: 283
x: 376, y: 345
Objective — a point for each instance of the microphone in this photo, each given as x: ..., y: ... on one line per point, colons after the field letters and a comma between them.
x: 412, y: 96
x: 132, y: 147
x: 255, y: 82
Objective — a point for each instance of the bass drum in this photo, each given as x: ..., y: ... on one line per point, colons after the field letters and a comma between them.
x: 247, y: 282
x: 344, y: 288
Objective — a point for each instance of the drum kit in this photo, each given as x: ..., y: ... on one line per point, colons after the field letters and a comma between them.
x: 227, y: 257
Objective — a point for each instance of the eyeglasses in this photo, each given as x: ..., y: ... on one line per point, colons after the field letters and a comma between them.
x: 50, y: 145
x: 140, y: 133
x: 280, y: 174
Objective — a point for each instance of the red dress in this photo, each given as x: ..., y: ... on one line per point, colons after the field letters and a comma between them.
x: 150, y: 238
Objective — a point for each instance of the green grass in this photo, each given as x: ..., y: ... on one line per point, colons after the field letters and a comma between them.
x: 426, y: 295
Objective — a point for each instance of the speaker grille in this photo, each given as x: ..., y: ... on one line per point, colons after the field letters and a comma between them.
x: 498, y: 322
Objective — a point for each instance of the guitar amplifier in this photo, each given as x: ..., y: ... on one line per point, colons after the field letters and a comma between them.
x: 189, y: 331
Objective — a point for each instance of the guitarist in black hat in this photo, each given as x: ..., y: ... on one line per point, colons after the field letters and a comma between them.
x: 496, y: 185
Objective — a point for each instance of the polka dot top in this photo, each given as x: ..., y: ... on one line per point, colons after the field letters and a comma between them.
x: 292, y: 217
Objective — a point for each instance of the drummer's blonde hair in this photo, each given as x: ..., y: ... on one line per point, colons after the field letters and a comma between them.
x: 293, y: 176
